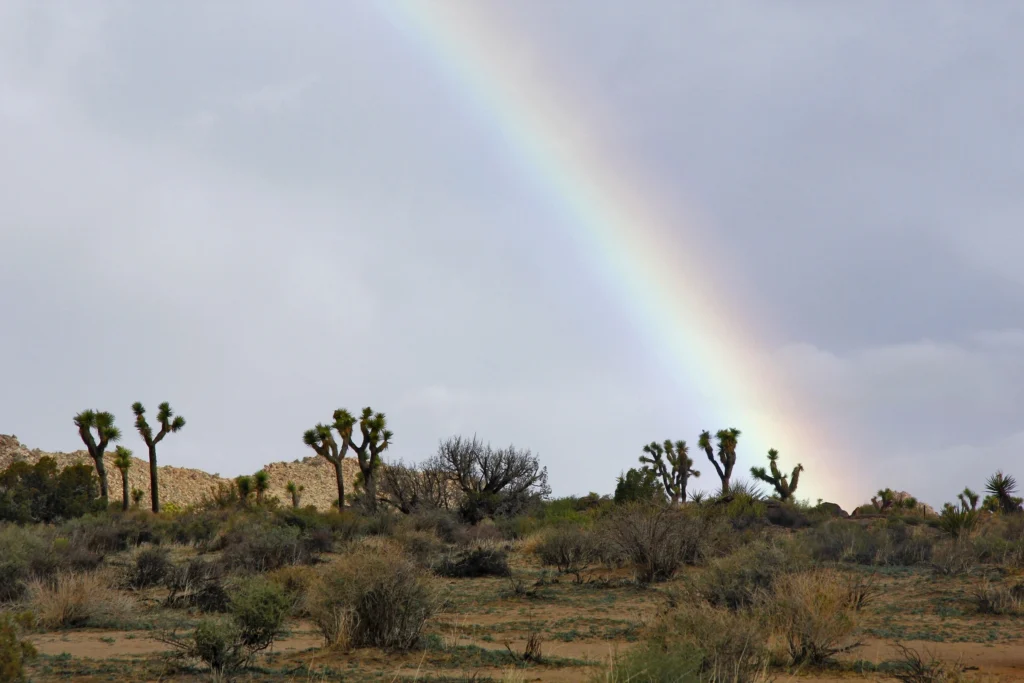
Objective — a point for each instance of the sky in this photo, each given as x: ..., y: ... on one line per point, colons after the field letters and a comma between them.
x: 263, y: 211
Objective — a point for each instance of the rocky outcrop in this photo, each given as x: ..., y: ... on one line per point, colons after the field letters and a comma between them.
x: 184, y: 486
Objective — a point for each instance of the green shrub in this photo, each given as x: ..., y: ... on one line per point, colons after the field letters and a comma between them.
x: 150, y: 568
x: 475, y: 563
x: 41, y: 492
x: 14, y: 651
x: 736, y: 581
x: 216, y: 643
x: 259, y: 607
x: 258, y: 547
x: 379, y: 600
x: 654, y: 663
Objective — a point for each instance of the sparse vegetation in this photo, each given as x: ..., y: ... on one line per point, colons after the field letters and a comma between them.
x: 472, y: 533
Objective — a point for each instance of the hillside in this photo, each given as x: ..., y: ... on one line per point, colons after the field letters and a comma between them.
x: 184, y: 486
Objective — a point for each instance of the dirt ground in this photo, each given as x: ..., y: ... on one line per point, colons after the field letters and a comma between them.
x: 486, y: 623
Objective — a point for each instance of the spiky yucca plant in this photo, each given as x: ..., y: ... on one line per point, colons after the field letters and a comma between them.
x: 261, y: 484
x: 296, y: 492
x: 375, y: 439
x: 168, y: 423
x: 137, y: 496
x: 320, y: 439
x: 727, y: 440
x: 243, y: 484
x: 123, y: 462
x: 1002, y: 488
x: 784, y: 487
x: 106, y: 432
x: 672, y: 462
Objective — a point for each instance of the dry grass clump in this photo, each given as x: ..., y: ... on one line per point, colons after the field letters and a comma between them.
x: 815, y: 613
x: 724, y: 645
x: 372, y: 600
x: 78, y: 599
x: 954, y: 557
x: 993, y: 598
x: 736, y: 581
x: 913, y: 668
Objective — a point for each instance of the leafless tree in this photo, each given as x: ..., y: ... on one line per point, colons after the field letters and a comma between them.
x: 408, y: 488
x: 494, y: 480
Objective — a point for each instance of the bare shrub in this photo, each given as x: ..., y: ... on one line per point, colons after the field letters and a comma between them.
x: 380, y: 600
x: 658, y: 540
x: 999, y: 599
x: 571, y: 550
x: 78, y: 599
x: 150, y: 567
x: 198, y: 584
x: 814, y: 613
x: 954, y: 557
x: 474, y: 563
x: 913, y: 668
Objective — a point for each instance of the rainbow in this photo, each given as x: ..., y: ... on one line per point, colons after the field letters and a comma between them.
x: 629, y: 235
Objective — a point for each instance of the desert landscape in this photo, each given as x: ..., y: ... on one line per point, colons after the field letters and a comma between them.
x: 232, y: 581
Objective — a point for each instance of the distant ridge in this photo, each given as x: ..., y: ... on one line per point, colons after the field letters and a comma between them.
x: 185, y: 486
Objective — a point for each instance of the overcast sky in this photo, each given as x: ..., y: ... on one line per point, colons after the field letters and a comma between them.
x: 262, y: 211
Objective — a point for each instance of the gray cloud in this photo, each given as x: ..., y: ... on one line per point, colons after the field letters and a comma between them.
x: 262, y: 215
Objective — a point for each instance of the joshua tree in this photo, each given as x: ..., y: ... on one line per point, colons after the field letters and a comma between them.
x: 168, y: 423
x: 727, y: 439
x: 137, y: 495
x: 244, y: 486
x: 968, y: 500
x: 376, y: 438
x: 783, y: 487
x: 320, y: 439
x: 103, y: 423
x: 673, y: 464
x: 296, y: 492
x: 123, y: 461
x: 261, y: 483
x: 1001, y: 488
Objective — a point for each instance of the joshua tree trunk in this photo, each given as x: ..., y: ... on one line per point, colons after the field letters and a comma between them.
x: 124, y: 490
x: 101, y: 469
x: 341, y: 484
x: 154, y: 490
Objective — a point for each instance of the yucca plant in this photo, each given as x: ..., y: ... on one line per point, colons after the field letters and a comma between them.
x: 320, y: 439
x: 123, y: 461
x: 960, y: 520
x: 106, y: 432
x: 727, y: 440
x: 1002, y: 488
x: 376, y: 438
x: 296, y: 492
x: 672, y: 463
x: 168, y: 423
x: 137, y: 496
x: 261, y: 484
x: 784, y: 487
x: 243, y: 484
